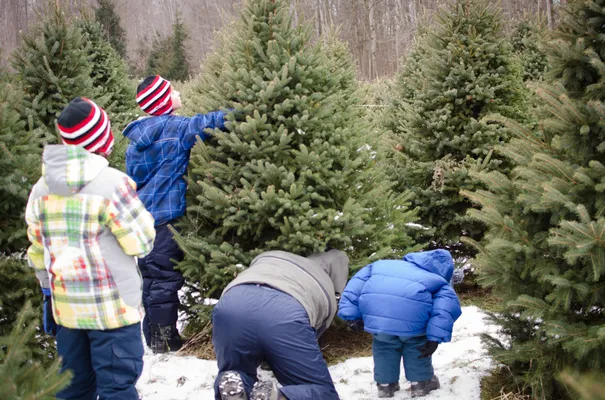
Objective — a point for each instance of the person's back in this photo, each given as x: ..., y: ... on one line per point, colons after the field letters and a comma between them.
x: 86, y: 225
x: 312, y: 281
x: 156, y: 159
x: 275, y: 310
x: 409, y: 307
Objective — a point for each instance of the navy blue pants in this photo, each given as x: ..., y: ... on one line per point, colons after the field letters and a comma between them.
x: 106, y: 364
x: 388, y: 350
x: 161, y: 282
x: 252, y: 323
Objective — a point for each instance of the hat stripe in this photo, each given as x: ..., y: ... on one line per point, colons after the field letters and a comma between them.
x: 149, y: 89
x: 92, y: 134
x: 155, y: 99
x: 102, y: 140
x: 85, y: 125
x: 163, y: 105
x: 160, y: 94
x: 91, y: 127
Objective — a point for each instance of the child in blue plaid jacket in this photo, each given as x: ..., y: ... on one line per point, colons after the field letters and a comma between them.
x: 156, y: 159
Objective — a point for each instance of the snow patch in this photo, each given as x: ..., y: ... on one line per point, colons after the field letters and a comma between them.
x: 459, y: 366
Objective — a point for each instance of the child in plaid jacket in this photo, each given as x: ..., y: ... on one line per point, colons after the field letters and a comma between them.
x: 86, y: 224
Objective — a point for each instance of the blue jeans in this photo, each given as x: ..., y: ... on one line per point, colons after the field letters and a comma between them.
x: 387, y: 351
x: 252, y: 323
x: 106, y: 364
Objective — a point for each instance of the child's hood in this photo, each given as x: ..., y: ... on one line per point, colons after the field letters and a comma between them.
x: 67, y: 169
x: 435, y: 261
x: 144, y: 131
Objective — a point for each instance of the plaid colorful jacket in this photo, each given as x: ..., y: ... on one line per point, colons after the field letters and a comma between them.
x: 158, y: 155
x: 86, y: 224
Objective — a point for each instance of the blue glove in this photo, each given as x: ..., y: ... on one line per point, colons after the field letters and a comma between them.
x: 356, y: 325
x: 50, y: 326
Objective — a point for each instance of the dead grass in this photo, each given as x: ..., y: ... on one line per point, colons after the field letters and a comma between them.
x: 482, y: 298
x: 339, y: 344
x: 498, y: 385
x: 200, y: 345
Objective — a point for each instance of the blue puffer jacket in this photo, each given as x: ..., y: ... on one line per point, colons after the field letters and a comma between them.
x: 408, y: 297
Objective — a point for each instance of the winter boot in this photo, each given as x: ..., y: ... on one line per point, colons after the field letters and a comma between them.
x: 265, y: 390
x: 231, y: 386
x: 386, y: 390
x: 423, y: 388
x: 165, y: 339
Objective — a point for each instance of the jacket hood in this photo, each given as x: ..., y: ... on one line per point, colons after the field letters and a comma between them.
x: 143, y: 131
x: 67, y: 169
x: 336, y: 264
x: 436, y: 261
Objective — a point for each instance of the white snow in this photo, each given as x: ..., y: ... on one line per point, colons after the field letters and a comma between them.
x: 459, y: 365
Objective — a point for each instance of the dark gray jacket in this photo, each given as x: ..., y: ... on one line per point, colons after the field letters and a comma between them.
x: 314, y: 281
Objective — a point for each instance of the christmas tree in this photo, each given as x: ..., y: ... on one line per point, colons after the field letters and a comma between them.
x: 115, y: 89
x: 54, y: 66
x: 544, y: 249
x: 22, y: 376
x: 168, y: 56
x: 526, y: 41
x: 458, y: 73
x: 293, y: 171
x: 106, y: 15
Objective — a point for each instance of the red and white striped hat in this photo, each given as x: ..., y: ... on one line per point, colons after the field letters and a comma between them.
x: 83, y: 123
x: 154, y: 96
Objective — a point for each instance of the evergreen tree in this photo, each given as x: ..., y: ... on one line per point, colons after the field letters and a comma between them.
x: 54, y: 67
x: 168, y: 56
x: 526, y: 40
x: 544, y: 248
x: 587, y: 387
x: 294, y: 170
x: 19, y: 163
x: 109, y: 77
x: 22, y: 376
x: 179, y: 70
x: 106, y: 15
x: 457, y: 74
x: 159, y: 59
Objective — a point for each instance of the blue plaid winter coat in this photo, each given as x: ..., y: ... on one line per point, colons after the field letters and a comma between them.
x: 158, y: 155
x: 409, y: 297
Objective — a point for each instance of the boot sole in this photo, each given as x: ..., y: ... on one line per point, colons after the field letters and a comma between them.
x: 231, y: 387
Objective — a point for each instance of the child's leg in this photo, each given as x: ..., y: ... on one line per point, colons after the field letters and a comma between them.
x: 416, y: 369
x: 386, y: 350
x: 74, y: 348
x: 117, y: 358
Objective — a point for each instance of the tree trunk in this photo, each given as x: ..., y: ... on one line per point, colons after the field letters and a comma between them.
x: 549, y: 15
x: 372, y: 28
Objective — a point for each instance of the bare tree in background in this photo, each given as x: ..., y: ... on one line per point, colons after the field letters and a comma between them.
x: 379, y: 32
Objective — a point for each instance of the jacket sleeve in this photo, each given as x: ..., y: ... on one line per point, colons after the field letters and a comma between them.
x: 35, y: 252
x: 446, y: 310
x: 129, y: 221
x: 198, y: 123
x: 348, y: 308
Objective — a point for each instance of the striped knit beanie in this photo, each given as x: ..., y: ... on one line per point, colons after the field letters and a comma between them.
x: 154, y: 96
x: 83, y: 123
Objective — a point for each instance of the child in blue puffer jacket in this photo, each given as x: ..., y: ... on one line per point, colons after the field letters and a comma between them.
x: 409, y: 308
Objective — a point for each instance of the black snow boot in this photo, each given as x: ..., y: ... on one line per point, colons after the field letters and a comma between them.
x: 165, y: 339
x: 265, y: 390
x: 387, y: 390
x: 423, y: 388
x: 231, y: 386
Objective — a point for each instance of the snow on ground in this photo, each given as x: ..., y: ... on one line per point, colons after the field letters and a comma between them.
x: 459, y: 365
